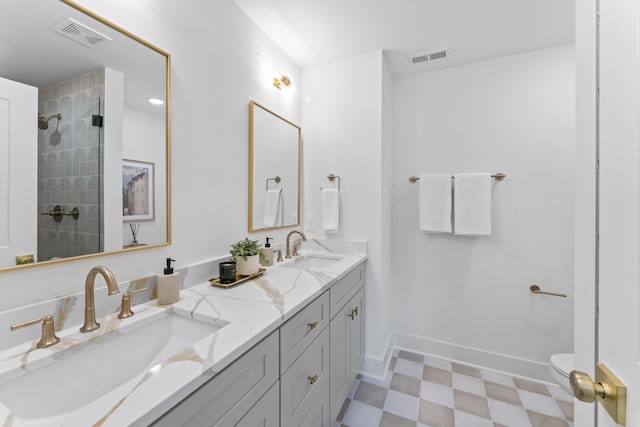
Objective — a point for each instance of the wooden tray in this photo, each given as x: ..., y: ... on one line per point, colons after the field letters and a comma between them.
x: 239, y: 279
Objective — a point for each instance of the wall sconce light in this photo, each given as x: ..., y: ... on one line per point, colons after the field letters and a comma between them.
x: 283, y: 80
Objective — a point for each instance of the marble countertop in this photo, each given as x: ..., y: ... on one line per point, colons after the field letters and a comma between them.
x: 245, y: 314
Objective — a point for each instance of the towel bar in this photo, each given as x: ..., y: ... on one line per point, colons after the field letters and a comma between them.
x: 498, y: 177
x: 277, y: 179
x: 536, y: 290
x: 331, y: 177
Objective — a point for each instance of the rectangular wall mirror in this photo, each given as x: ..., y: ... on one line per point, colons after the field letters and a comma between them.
x: 274, y: 170
x: 75, y: 93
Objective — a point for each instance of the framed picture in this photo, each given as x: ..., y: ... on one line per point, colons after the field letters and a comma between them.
x: 137, y: 191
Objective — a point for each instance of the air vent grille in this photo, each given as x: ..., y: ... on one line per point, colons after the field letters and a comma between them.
x: 429, y: 56
x: 81, y: 33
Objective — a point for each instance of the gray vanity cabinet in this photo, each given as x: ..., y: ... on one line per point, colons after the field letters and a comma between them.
x: 299, y: 375
x: 347, y: 337
x: 230, y: 396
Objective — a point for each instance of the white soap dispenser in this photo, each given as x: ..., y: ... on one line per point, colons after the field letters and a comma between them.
x: 268, y: 253
x: 168, y: 285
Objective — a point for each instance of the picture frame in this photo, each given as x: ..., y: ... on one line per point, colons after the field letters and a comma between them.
x: 138, y: 188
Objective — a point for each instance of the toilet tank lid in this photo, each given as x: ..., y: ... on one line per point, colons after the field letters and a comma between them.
x: 563, y: 362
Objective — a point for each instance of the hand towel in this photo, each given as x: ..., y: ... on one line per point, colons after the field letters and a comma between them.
x: 330, y: 210
x: 434, y: 205
x: 272, y: 207
x: 472, y: 204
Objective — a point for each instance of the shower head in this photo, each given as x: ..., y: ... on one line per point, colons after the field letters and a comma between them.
x: 43, y: 122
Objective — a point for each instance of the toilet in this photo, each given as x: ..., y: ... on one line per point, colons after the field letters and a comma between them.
x: 561, y: 365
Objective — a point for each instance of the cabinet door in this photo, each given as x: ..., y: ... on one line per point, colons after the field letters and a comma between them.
x: 319, y: 415
x: 340, y: 328
x: 356, y: 338
x: 265, y: 413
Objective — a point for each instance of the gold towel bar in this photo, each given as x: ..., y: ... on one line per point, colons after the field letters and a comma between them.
x: 498, y: 177
x: 536, y: 290
x: 277, y: 179
x: 331, y: 177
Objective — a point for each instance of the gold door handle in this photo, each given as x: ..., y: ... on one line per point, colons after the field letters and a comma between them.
x: 354, y: 313
x: 312, y: 325
x: 313, y: 379
x: 607, y: 389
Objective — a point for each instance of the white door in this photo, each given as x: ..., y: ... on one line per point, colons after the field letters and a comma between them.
x: 609, y: 276
x: 18, y: 170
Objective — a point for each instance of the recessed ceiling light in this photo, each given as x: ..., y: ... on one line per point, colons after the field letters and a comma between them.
x: 156, y: 101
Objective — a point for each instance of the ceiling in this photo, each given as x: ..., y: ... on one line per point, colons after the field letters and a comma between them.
x: 313, y: 32
x: 34, y: 54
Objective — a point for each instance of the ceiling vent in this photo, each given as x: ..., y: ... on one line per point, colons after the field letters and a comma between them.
x: 429, y: 56
x: 81, y: 33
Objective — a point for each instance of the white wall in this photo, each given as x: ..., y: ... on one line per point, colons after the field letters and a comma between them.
x: 215, y: 74
x: 468, y: 297
x: 143, y: 139
x: 112, y: 149
x: 342, y: 130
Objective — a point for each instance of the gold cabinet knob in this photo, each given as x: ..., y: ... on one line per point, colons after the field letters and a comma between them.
x: 313, y: 379
x: 312, y: 325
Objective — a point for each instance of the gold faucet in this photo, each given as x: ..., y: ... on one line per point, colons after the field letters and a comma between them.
x: 90, y: 323
x: 295, y: 252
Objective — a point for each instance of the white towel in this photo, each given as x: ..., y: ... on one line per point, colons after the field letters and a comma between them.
x: 434, y: 205
x: 330, y: 210
x: 472, y: 204
x: 272, y: 207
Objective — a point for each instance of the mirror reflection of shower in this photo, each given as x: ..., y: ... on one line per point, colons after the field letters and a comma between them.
x: 43, y: 122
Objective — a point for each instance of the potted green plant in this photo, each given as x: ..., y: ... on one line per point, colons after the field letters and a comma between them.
x: 247, y: 254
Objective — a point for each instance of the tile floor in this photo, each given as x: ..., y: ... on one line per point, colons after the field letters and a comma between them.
x: 425, y: 391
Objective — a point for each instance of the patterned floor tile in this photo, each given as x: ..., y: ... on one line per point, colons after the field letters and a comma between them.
x: 471, y: 404
x: 405, y: 384
x: 470, y: 384
x: 392, y: 420
x: 503, y: 393
x: 371, y: 394
x: 425, y: 391
x: 402, y: 404
x: 436, y: 375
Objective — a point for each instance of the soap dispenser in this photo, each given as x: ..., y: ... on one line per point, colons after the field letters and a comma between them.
x: 168, y: 285
x: 268, y: 253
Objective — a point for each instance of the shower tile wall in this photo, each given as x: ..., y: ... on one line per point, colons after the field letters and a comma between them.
x: 69, y: 171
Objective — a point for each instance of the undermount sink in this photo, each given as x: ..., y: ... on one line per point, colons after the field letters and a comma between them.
x: 314, y: 262
x: 84, y: 373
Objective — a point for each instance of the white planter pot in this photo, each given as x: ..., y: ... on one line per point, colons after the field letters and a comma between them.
x: 248, y: 267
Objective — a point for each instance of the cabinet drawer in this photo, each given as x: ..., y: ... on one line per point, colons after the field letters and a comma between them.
x: 232, y: 392
x: 301, y: 385
x: 299, y: 331
x: 344, y: 289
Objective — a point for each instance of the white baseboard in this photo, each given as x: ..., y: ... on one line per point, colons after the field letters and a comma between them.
x: 376, y: 367
x: 513, y: 366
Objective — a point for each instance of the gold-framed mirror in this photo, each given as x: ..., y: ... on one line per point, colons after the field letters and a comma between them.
x: 80, y: 87
x: 275, y: 153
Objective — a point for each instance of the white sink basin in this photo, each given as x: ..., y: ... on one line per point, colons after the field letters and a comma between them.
x: 314, y: 262
x: 85, y: 373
